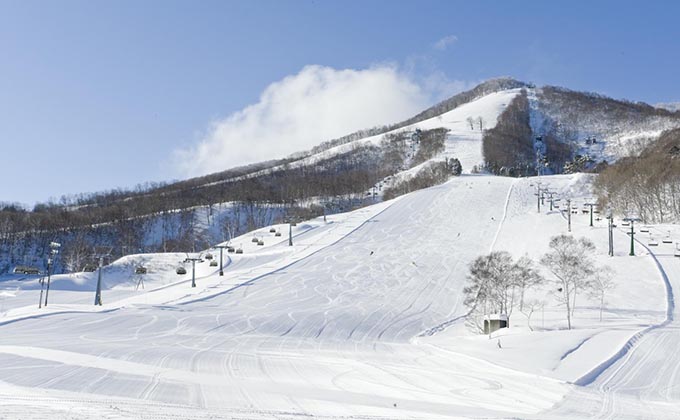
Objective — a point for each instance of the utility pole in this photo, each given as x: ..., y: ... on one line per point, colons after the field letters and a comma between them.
x: 221, y: 248
x: 193, y: 268
x: 632, y: 221
x: 54, y: 250
x: 538, y: 196
x: 290, y: 233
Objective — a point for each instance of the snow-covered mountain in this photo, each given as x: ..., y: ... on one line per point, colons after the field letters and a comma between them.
x: 357, y: 310
x: 345, y: 173
x: 362, y: 317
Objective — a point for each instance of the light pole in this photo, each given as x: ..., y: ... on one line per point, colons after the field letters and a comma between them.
x: 54, y: 250
x: 538, y: 196
x: 632, y: 221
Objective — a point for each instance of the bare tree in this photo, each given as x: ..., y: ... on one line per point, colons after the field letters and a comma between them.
x: 572, y: 267
x: 530, y: 306
x: 471, y: 121
x: 527, y: 277
x: 601, y: 284
x: 494, y: 281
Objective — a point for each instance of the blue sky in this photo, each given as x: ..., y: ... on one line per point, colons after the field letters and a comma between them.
x: 106, y: 94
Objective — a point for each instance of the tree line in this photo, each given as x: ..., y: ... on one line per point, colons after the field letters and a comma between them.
x: 125, y: 221
x: 646, y: 186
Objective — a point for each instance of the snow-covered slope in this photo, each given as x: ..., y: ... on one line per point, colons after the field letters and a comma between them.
x: 335, y: 326
x: 463, y: 142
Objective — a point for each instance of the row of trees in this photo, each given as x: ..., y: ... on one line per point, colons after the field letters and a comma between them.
x: 647, y: 185
x: 508, y: 148
x: 433, y: 173
x: 127, y: 221
x: 574, y: 114
x: 498, y: 283
x: 485, y: 88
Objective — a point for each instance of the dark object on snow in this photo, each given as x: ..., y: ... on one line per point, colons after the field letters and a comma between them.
x: 90, y: 268
x: 495, y: 323
x: 23, y: 269
x: 213, y: 263
x: 208, y: 256
x: 181, y: 270
x: 239, y: 251
x: 140, y: 270
x: 371, y: 253
x: 272, y: 230
x: 499, y: 344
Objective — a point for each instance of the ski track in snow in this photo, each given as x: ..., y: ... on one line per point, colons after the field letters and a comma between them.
x: 324, y: 329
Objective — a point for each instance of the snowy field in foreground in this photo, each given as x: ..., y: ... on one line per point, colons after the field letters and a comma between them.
x: 333, y: 327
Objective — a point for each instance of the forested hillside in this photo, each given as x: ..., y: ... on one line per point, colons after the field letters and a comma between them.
x: 502, y: 126
x: 648, y: 185
x: 193, y: 214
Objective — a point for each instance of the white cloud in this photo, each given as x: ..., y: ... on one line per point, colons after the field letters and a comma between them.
x: 445, y: 42
x: 300, y: 111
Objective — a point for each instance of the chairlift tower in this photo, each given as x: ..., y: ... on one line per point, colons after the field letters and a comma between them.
x: 98, y: 294
x: 193, y: 267
x: 140, y: 272
x: 221, y: 248
x: 551, y: 198
x: 568, y: 214
x: 54, y: 250
x: 610, y: 229
x: 591, y: 204
x: 632, y: 221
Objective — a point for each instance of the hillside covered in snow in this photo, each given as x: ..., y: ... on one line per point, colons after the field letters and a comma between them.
x: 492, y: 128
x: 362, y: 317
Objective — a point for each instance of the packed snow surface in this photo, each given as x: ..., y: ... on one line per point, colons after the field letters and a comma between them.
x: 360, y: 318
